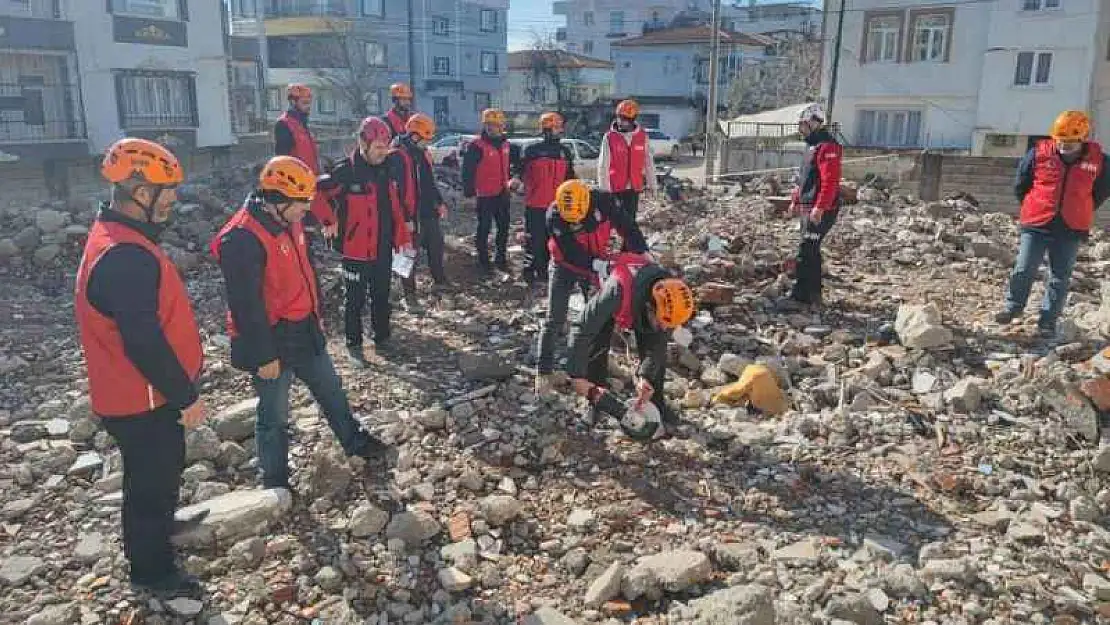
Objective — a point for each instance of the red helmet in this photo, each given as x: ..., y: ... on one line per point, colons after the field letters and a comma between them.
x: 373, y: 130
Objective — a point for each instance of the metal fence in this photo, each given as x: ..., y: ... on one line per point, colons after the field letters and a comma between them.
x: 32, y: 113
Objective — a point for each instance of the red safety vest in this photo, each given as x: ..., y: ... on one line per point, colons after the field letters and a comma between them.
x: 304, y: 146
x: 492, y: 177
x: 288, y: 281
x: 626, y: 161
x: 396, y: 122
x: 595, y: 242
x: 1052, y: 192
x: 410, y: 190
x: 116, y: 387
x: 357, y: 215
x: 542, y: 176
x: 625, y: 268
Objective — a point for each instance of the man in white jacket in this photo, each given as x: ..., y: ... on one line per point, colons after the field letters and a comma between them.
x: 626, y: 166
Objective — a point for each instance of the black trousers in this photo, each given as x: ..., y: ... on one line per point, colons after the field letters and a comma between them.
x: 560, y: 286
x: 807, y: 283
x: 428, y: 236
x: 493, y: 210
x: 597, y: 371
x: 153, y: 449
x: 360, y: 278
x: 536, y: 256
x: 629, y: 201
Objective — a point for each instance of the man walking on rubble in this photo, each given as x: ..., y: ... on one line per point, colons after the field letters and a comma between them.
x: 1061, y: 182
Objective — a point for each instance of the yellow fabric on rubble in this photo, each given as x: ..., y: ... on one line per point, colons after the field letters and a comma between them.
x: 756, y: 385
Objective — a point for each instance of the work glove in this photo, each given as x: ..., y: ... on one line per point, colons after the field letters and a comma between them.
x: 601, y: 268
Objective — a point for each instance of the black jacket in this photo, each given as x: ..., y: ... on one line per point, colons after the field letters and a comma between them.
x: 551, y: 148
x: 427, y: 191
x: 472, y: 156
x: 564, y: 234
x: 283, y: 138
x: 123, y: 286
x: 352, y: 172
x: 243, y: 263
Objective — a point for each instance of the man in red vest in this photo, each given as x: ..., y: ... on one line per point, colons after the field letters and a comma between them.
x: 817, y: 200
x: 143, y: 354
x: 274, y: 316
x: 402, y: 108
x: 641, y: 297
x: 544, y: 166
x: 292, y: 136
x: 626, y: 166
x: 1061, y: 182
x: 365, y: 208
x: 580, y: 222
x: 487, y: 163
x: 424, y: 205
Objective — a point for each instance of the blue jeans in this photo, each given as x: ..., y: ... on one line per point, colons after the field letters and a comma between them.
x: 1062, y: 249
x: 271, y: 435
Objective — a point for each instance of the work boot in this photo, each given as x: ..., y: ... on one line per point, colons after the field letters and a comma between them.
x: 176, y: 584
x: 1005, y: 317
x: 357, y: 356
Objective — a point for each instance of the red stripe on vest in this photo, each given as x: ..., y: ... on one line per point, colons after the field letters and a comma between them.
x: 288, y: 282
x: 542, y: 176
x: 625, y: 268
x: 116, y: 387
x: 492, y: 177
x: 627, y: 160
x: 1051, y: 192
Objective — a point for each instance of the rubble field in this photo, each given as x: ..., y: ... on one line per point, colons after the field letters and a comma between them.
x: 933, y: 466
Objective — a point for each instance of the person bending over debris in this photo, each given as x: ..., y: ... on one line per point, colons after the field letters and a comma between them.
x: 143, y: 353
x: 638, y: 296
x: 1061, y: 182
x: 580, y: 222
x: 816, y: 199
x: 274, y: 316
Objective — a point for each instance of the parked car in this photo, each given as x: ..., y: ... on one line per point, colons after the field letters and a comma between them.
x: 447, y: 147
x: 663, y: 146
x: 585, y: 155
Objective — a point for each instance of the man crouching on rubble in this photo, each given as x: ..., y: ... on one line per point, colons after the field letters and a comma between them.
x: 638, y: 296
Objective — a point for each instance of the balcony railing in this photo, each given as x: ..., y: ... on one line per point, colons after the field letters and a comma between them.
x: 306, y: 8
x: 38, y: 9
x: 33, y: 113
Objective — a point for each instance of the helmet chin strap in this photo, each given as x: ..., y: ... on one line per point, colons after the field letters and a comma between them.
x: 148, y: 209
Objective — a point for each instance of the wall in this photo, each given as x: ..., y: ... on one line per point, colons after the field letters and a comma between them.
x: 676, y: 121
x: 98, y: 55
x: 635, y: 14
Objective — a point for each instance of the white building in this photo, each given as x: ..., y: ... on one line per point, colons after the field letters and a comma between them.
x: 530, y: 91
x: 988, y: 77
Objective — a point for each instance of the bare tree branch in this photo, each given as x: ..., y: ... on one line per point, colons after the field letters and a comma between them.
x: 552, y: 67
x: 340, y: 62
x: 792, y: 76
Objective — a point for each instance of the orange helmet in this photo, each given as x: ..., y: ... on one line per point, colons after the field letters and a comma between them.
x: 628, y: 109
x: 572, y: 201
x: 400, y: 90
x: 1071, y: 126
x: 288, y: 176
x: 421, y: 126
x: 296, y: 91
x: 139, y: 158
x: 493, y: 116
x: 674, y: 302
x: 552, y: 122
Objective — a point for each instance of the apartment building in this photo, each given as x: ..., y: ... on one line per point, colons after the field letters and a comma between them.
x: 453, y: 52
x: 593, y: 26
x: 528, y: 90
x: 985, y: 77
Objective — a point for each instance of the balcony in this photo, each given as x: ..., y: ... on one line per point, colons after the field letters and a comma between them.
x: 560, y: 34
x: 306, y: 8
x: 33, y: 112
x: 34, y: 9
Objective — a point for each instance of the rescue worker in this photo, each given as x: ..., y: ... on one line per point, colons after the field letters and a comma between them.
x: 544, y: 166
x: 1061, y: 182
x: 580, y: 222
x: 626, y: 166
x: 424, y: 205
x: 817, y: 200
x: 365, y: 207
x: 291, y: 134
x: 143, y: 354
x: 487, y: 163
x: 274, y: 316
x: 638, y: 296
x: 397, y: 116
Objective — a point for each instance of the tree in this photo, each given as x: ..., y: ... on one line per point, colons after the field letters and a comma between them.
x: 550, y: 67
x: 791, y: 75
x: 348, y: 66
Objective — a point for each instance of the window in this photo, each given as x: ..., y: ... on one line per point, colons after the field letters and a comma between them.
x: 588, y: 47
x: 1033, y: 68
x: 489, y: 62
x: 325, y: 102
x: 373, y: 101
x: 1039, y: 5
x: 482, y: 101
x: 274, y: 99
x: 244, y: 8
x: 616, y: 22
x: 156, y: 100
x: 882, y: 34
x: 158, y: 9
x: 539, y: 95
x: 930, y: 38
x: 441, y: 65
x: 375, y: 54
x: 488, y: 21
x: 588, y: 18
x: 371, y: 8
x: 889, y: 128
x: 441, y: 26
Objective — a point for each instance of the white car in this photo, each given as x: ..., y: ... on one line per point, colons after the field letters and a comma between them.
x: 585, y: 155
x: 663, y: 146
x: 447, y: 146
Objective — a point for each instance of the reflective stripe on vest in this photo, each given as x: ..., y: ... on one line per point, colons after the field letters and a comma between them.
x: 492, y: 177
x: 1052, y: 192
x: 116, y: 387
x: 627, y: 160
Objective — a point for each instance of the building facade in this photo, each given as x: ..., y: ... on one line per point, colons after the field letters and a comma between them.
x: 531, y: 90
x: 983, y: 77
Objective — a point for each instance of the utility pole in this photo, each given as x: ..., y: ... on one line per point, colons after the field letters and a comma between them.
x: 835, y: 61
x: 711, y: 104
x: 412, y: 54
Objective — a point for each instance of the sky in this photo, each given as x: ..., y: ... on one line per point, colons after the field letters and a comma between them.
x: 527, y: 17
